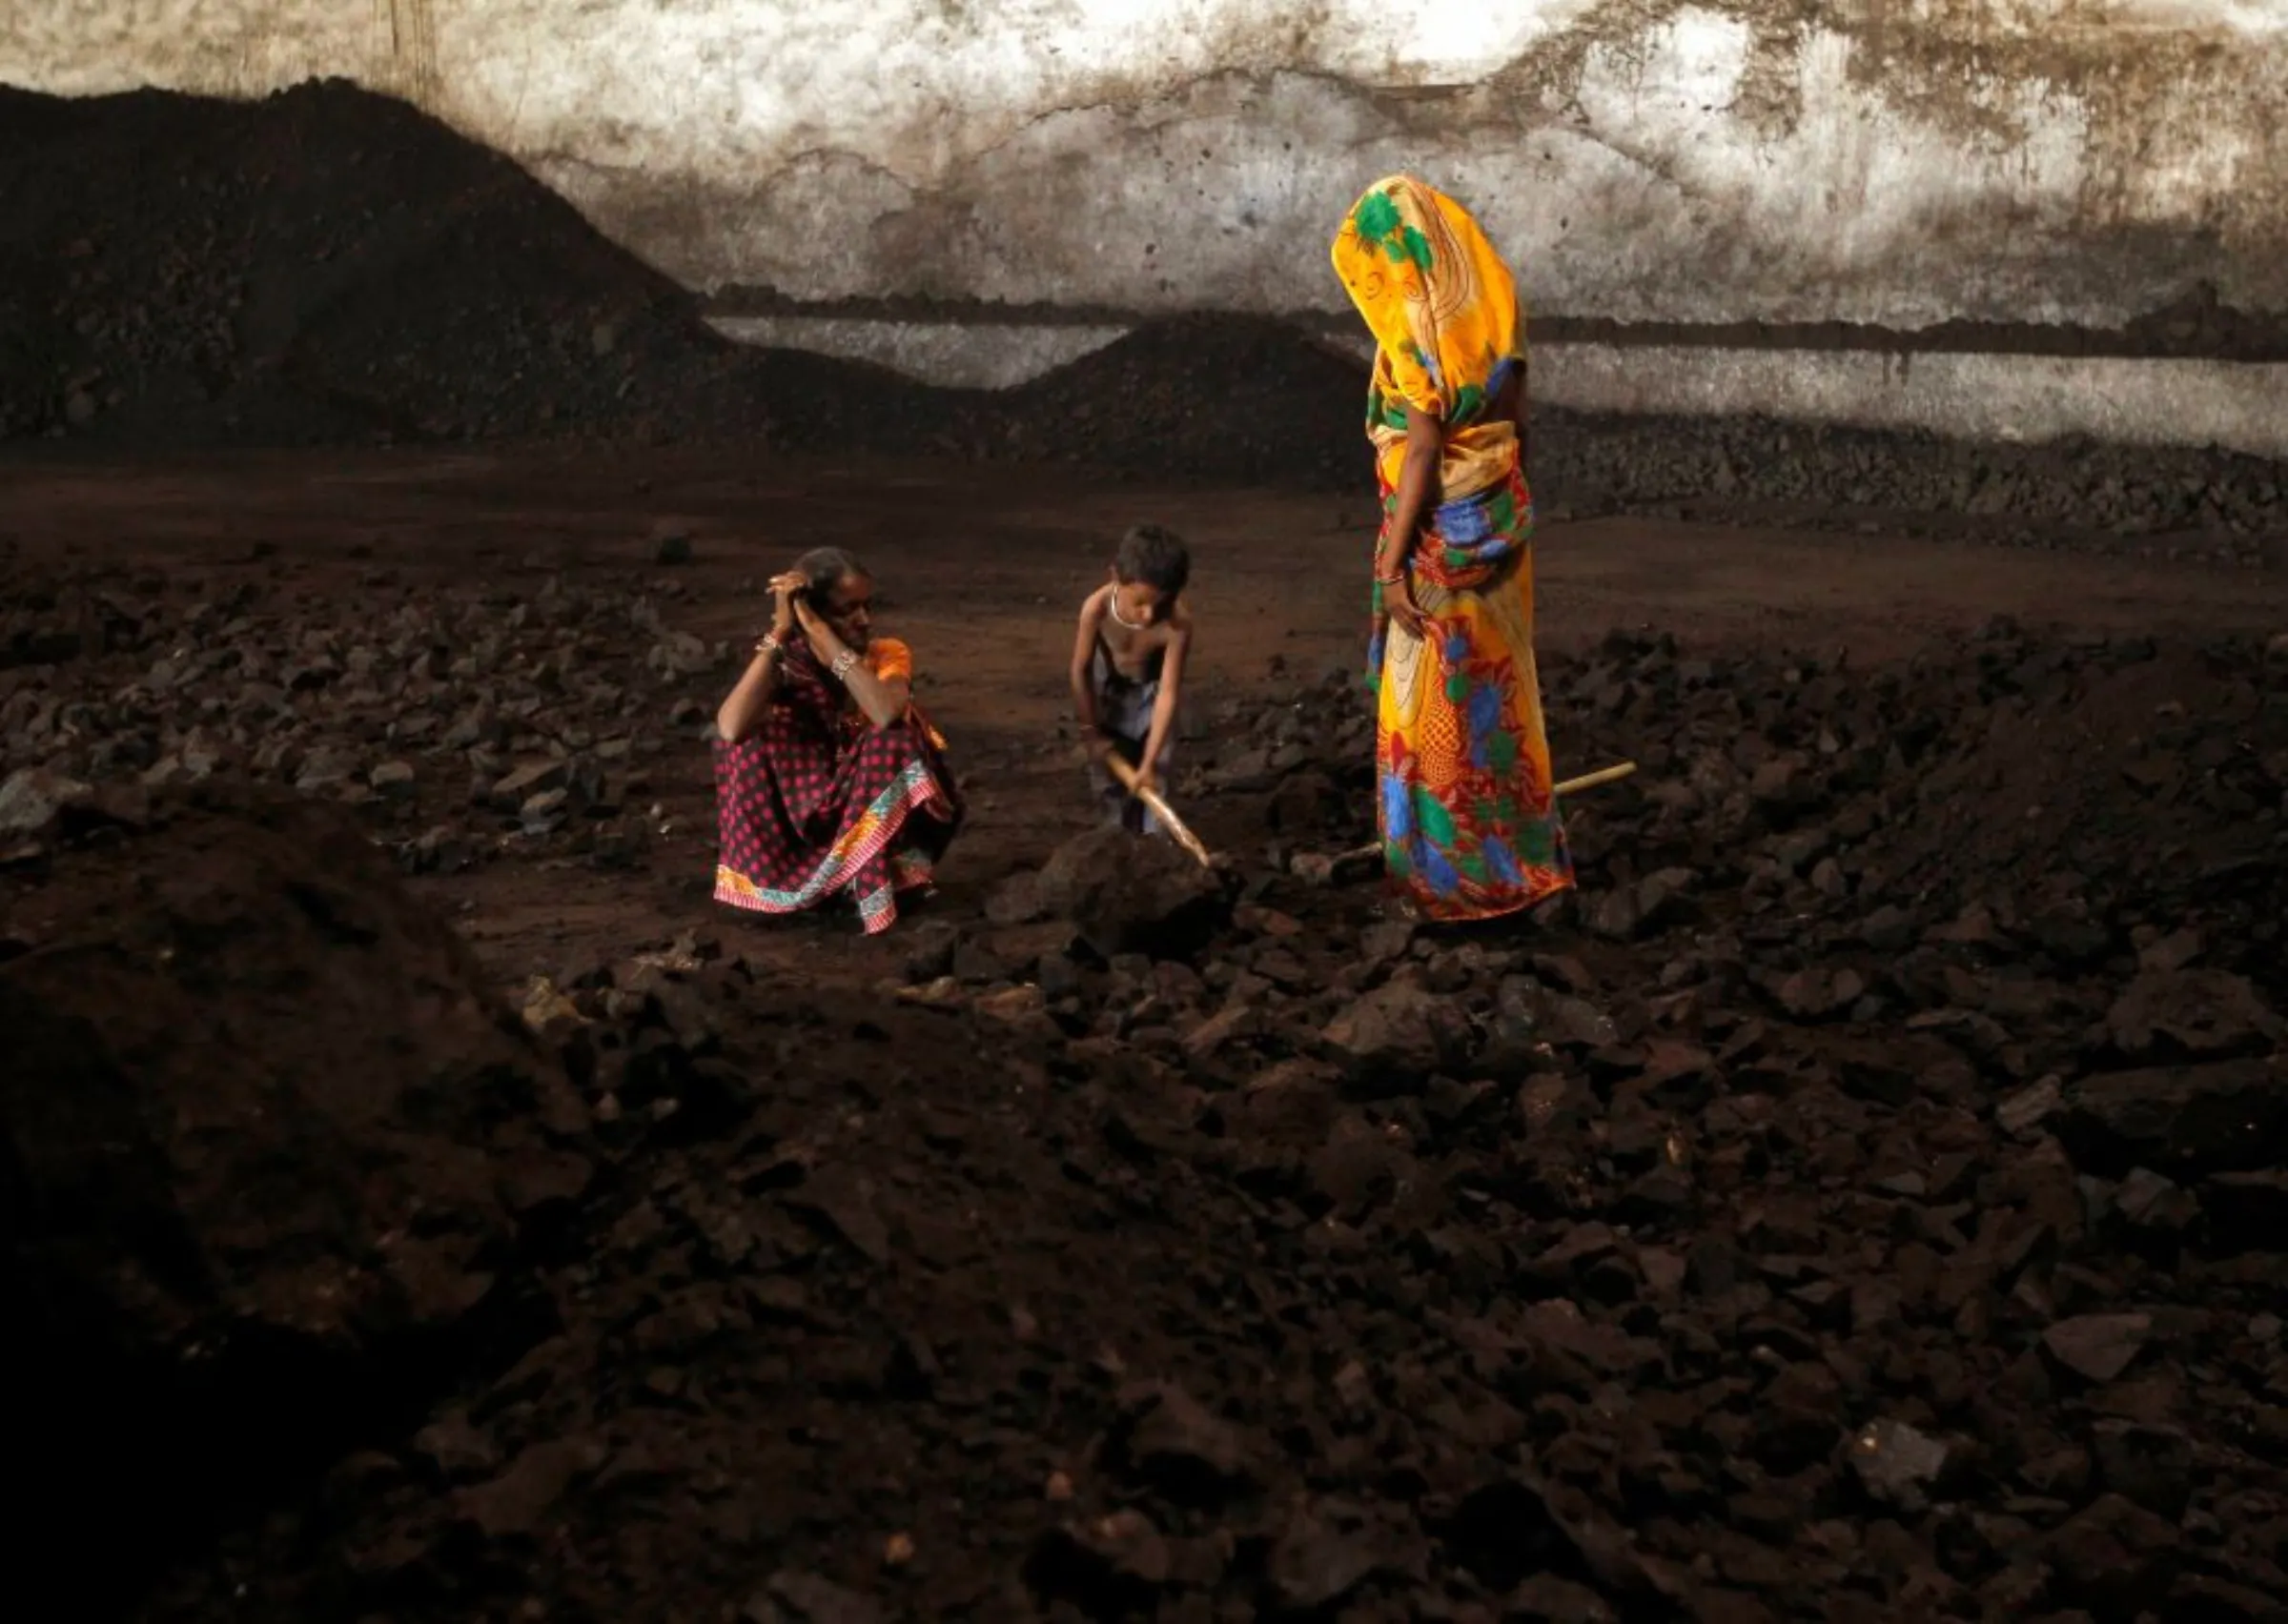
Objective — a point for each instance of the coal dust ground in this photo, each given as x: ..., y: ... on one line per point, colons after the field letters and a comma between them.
x: 1865, y: 1201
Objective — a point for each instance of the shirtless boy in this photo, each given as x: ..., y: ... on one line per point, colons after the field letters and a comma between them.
x: 1127, y: 666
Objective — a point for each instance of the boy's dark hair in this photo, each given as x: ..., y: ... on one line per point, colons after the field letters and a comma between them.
x: 1155, y: 556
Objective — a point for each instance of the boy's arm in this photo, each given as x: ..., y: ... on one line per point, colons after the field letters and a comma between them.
x: 1163, y: 710
x: 1084, y: 653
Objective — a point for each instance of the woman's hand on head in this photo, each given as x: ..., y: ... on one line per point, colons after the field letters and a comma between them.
x: 816, y: 630
x: 786, y: 591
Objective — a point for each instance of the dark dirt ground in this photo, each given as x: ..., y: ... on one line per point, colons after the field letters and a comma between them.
x: 983, y: 571
x: 1863, y: 1202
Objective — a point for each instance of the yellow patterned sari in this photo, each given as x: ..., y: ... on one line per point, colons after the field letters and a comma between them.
x: 1468, y: 822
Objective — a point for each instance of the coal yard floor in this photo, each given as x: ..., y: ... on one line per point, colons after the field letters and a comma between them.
x: 1867, y: 1199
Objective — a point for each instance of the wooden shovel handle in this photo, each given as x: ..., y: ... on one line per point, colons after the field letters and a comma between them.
x: 1159, y: 808
x: 1590, y: 781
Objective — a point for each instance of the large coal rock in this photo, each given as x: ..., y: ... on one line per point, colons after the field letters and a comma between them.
x: 1124, y: 894
x: 268, y: 1148
x: 2227, y: 1116
x: 1400, y: 1033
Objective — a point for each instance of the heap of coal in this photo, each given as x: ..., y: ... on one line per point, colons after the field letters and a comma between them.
x: 330, y: 265
x: 1867, y: 1196
x: 1234, y: 397
x: 271, y: 1162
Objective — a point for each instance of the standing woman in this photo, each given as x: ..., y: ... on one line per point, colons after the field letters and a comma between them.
x: 1469, y: 825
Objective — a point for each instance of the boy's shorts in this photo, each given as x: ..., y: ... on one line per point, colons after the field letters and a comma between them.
x: 1124, y: 708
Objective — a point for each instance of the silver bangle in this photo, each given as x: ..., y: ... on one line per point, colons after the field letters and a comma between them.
x: 767, y: 644
x: 843, y: 662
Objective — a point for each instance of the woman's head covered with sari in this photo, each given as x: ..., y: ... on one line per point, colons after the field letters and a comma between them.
x: 1443, y: 307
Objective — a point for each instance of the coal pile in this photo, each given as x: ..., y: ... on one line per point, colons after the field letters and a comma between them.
x: 331, y: 265
x: 1224, y: 398
x: 2173, y: 502
x: 327, y: 264
x: 270, y: 1162
x: 1865, y: 1195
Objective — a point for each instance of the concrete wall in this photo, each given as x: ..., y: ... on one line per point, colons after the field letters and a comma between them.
x: 1897, y: 162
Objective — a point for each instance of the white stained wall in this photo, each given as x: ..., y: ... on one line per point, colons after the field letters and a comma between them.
x: 1892, y: 161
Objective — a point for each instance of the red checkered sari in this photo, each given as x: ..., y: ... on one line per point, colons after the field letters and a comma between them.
x: 818, y: 802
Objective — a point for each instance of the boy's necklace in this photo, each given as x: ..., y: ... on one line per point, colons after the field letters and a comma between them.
x: 1114, y: 604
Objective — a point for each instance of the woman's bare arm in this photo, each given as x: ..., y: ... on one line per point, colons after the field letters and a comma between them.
x: 884, y: 702
x: 744, y: 706
x: 1418, y: 481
